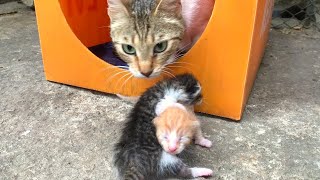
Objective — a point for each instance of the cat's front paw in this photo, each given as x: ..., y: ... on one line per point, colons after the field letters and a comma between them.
x: 201, y: 172
x: 204, y: 142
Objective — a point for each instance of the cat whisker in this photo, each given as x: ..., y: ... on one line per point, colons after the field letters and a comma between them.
x: 124, y: 76
x: 113, y: 68
x: 179, y: 54
x: 116, y: 74
x: 165, y: 74
x: 184, y: 48
x: 102, y: 71
x: 186, y: 68
x: 178, y: 62
x: 126, y: 81
x: 176, y: 57
x: 168, y: 73
x: 205, y: 102
x: 124, y: 67
x: 166, y: 68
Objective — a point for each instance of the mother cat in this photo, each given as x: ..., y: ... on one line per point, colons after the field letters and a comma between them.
x: 148, y: 34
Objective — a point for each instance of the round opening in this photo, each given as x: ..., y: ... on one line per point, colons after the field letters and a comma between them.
x: 89, y: 21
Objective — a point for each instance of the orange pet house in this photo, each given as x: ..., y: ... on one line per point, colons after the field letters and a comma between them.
x: 225, y: 59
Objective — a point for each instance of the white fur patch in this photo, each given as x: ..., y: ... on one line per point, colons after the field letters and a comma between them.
x: 199, y: 90
x: 167, y: 159
x: 204, y: 142
x: 201, y: 172
x: 175, y: 94
x: 170, y: 99
x: 135, y: 73
x: 173, y: 138
x: 163, y: 105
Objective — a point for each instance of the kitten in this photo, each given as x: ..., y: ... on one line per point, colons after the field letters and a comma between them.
x: 138, y: 154
x: 150, y: 34
x: 176, y: 127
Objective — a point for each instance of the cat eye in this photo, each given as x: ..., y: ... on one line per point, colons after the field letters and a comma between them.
x: 160, y: 47
x: 184, y: 139
x: 165, y: 137
x: 128, y: 49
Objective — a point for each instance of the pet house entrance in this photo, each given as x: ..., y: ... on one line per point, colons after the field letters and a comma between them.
x: 225, y: 59
x: 89, y: 21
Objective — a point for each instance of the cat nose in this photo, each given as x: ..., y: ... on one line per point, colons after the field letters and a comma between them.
x: 173, y: 149
x: 146, y: 74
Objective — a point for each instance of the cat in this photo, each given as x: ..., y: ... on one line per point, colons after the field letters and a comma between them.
x: 138, y: 154
x: 176, y: 126
x: 150, y: 34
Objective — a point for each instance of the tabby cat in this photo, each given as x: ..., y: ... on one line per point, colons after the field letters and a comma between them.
x: 150, y: 34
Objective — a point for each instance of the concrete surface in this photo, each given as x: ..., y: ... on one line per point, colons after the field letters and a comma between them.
x: 29, y: 3
x: 53, y: 131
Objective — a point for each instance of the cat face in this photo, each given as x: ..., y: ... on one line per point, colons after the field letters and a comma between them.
x: 146, y: 34
x: 175, y: 129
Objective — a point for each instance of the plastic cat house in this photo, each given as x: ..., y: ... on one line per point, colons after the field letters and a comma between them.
x: 225, y: 59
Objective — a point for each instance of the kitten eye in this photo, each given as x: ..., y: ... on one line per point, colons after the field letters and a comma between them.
x: 165, y: 137
x: 128, y: 49
x: 184, y: 139
x: 160, y: 47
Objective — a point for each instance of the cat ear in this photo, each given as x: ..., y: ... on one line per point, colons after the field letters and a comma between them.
x: 117, y: 9
x: 155, y: 120
x: 172, y: 6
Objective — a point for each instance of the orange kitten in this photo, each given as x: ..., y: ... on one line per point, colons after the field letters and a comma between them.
x: 176, y: 127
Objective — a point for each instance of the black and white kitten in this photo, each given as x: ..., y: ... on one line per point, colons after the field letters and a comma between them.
x: 138, y: 154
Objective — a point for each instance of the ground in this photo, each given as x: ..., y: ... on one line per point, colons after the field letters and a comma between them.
x: 54, y: 131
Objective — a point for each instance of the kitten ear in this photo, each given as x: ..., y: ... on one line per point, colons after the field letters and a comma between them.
x: 172, y: 6
x: 155, y: 121
x: 117, y: 9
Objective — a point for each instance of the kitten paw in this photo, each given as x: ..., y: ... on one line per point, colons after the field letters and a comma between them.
x: 201, y: 172
x: 204, y: 142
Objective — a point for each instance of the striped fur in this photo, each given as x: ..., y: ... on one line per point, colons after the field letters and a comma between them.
x: 136, y: 23
x: 138, y: 154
